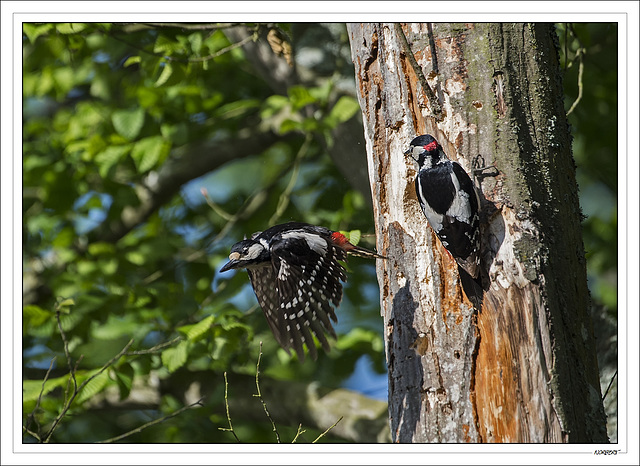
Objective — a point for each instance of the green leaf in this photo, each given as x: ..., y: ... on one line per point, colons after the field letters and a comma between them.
x: 300, y: 97
x: 124, y: 378
x: 196, y: 42
x: 342, y: 111
x: 109, y: 157
x: 128, y: 123
x: 353, y: 236
x: 136, y: 257
x: 100, y: 248
x: 35, y: 316
x: 64, y: 305
x: 93, y: 387
x: 167, y: 71
x: 194, y: 332
x: 31, y: 389
x: 174, y: 358
x: 132, y: 60
x: 70, y: 28
x: 148, y: 152
x: 33, y: 31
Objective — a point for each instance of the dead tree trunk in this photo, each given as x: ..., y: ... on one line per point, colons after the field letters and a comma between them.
x: 522, y: 367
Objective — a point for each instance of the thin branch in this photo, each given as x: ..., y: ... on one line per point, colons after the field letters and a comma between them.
x: 610, y: 383
x: 152, y: 423
x: 323, y: 434
x: 226, y: 405
x: 579, y: 55
x: 154, y: 349
x: 251, y: 38
x: 436, y: 109
x: 78, y: 388
x: 65, y: 345
x: 259, y: 396
x: 32, y: 416
x: 300, y: 432
x: 195, y: 27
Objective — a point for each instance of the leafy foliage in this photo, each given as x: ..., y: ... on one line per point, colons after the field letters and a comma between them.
x: 107, y: 109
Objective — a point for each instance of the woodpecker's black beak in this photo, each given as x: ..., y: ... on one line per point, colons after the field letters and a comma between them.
x: 409, y: 153
x: 233, y: 263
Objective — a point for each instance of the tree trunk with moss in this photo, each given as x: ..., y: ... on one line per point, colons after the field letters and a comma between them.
x: 520, y: 365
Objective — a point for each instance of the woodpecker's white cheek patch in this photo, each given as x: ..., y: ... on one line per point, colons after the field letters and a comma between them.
x: 253, y: 251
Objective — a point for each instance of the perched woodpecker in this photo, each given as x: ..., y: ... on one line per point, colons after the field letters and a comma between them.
x: 449, y: 201
x: 295, y: 274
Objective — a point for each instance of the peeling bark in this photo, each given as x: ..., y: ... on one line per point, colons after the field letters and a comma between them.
x: 522, y: 367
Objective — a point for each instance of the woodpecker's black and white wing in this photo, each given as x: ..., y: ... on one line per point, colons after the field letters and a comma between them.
x: 262, y: 280
x: 308, y: 285
x: 451, y: 204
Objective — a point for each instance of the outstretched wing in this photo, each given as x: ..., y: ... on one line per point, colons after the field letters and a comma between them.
x: 308, y: 284
x: 262, y: 280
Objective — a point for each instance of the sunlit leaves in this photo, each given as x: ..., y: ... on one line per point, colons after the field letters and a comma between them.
x: 34, y: 316
x: 93, y: 386
x: 33, y: 31
x: 128, y: 123
x: 106, y: 159
x: 105, y: 106
x: 32, y: 389
x: 194, y: 332
x: 343, y: 110
x: 166, y: 70
x: 174, y: 358
x: 149, y: 152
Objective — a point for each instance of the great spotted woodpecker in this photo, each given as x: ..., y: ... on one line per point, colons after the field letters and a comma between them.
x: 295, y: 274
x: 449, y: 201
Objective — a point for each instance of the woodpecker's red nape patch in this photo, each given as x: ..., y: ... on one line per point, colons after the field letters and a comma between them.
x: 339, y: 239
x: 431, y: 146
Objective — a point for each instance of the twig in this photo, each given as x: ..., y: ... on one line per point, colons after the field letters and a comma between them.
x: 579, y: 54
x: 195, y: 27
x: 220, y: 52
x: 252, y: 37
x: 436, y: 109
x: 323, y: 434
x: 32, y: 417
x: 65, y: 345
x: 300, y: 432
x: 259, y: 396
x: 226, y: 404
x: 152, y: 423
x: 609, y: 387
x: 154, y: 349
x: 78, y: 388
